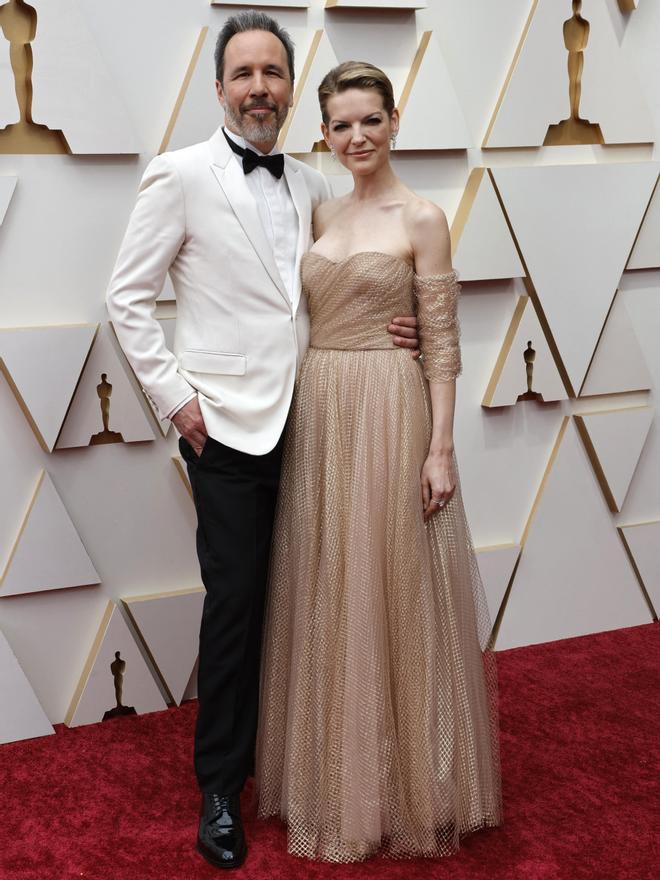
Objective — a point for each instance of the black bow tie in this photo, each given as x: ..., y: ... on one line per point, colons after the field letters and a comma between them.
x: 251, y: 160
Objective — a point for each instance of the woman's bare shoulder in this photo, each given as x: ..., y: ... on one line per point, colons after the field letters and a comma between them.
x: 423, y: 215
x: 428, y: 232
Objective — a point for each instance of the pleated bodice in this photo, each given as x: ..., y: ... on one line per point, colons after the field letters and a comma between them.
x: 352, y: 301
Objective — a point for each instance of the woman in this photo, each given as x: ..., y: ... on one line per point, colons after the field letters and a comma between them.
x: 378, y: 720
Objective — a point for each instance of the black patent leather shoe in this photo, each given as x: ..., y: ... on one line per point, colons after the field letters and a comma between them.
x: 221, y: 839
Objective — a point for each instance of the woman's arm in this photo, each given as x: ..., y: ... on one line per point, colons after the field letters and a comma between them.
x: 436, y: 290
x: 438, y: 479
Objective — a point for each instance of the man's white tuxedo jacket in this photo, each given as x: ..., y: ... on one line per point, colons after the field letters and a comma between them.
x: 239, y: 336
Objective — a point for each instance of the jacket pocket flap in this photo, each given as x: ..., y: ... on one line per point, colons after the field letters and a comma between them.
x: 213, y: 362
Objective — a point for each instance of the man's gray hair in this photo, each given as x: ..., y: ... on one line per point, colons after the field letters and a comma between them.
x: 250, y: 20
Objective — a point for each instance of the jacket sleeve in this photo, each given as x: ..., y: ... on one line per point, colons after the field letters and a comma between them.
x: 437, y: 318
x: 155, y: 233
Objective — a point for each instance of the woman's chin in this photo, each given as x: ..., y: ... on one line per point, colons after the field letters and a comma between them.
x: 364, y: 169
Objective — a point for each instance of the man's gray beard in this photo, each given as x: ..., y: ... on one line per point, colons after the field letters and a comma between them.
x: 255, y: 131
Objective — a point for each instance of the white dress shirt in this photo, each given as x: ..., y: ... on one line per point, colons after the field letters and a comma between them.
x: 277, y: 212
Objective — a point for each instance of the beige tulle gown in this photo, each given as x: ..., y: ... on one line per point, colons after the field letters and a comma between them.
x: 378, y: 726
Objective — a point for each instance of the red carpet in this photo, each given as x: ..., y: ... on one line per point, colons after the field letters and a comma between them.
x: 580, y: 756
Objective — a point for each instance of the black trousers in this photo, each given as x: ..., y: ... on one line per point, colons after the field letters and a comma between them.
x: 235, y: 495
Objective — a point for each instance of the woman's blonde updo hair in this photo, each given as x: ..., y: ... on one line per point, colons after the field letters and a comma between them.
x: 355, y: 75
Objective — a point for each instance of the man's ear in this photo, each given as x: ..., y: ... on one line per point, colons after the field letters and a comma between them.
x: 220, y: 92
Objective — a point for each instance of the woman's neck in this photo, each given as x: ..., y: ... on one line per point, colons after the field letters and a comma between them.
x: 370, y: 187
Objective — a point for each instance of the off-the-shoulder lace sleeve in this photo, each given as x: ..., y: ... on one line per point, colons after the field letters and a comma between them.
x: 437, y: 305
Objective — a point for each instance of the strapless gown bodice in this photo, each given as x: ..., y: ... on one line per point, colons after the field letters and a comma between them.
x: 351, y: 301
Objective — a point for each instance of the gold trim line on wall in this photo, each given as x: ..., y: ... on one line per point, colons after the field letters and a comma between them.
x: 184, y: 89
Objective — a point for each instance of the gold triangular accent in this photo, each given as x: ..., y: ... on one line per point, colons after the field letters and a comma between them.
x: 183, y: 90
x: 302, y: 80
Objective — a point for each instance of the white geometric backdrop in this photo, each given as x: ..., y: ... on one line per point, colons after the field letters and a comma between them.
x: 557, y: 246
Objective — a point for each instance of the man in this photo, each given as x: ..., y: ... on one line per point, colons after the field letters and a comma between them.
x: 230, y: 219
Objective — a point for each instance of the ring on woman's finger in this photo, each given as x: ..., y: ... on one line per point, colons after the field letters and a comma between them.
x: 438, y: 501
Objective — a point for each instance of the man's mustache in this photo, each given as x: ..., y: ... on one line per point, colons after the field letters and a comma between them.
x: 258, y: 105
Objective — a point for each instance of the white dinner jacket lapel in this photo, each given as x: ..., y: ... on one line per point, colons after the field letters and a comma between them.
x: 229, y: 175
x: 303, y: 206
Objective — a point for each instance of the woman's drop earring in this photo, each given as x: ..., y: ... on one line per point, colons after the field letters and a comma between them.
x: 333, y: 153
x: 393, y: 140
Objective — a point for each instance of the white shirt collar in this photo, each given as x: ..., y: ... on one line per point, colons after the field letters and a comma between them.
x: 241, y: 142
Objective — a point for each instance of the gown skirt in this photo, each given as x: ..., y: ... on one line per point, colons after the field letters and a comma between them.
x: 378, y: 726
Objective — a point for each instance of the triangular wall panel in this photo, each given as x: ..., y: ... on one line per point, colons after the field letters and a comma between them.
x: 612, y: 94
x: 95, y: 694
x: 85, y: 420
x: 535, y: 94
x: 445, y: 127
x: 43, y: 366
x: 643, y: 542
x: 575, y: 226
x: 48, y: 553
x: 182, y: 471
x: 80, y: 97
x: 646, y: 253
x: 168, y: 624
x: 614, y: 441
x: 301, y: 129
x: 509, y: 378
x: 482, y: 247
x: 7, y: 187
x: 643, y: 305
x: 618, y: 364
x: 197, y: 111
x: 496, y: 565
x: 574, y: 576
x: 190, y: 692
x: 22, y: 716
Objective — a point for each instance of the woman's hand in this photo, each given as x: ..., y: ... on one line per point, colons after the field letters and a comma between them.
x: 438, y: 482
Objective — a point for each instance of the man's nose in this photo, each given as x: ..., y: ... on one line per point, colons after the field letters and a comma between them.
x: 258, y: 85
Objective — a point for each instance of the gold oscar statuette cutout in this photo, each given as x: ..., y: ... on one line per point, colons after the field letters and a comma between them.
x: 18, y: 23
x: 529, y: 356
x: 118, y: 669
x: 575, y: 130
x: 104, y: 391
